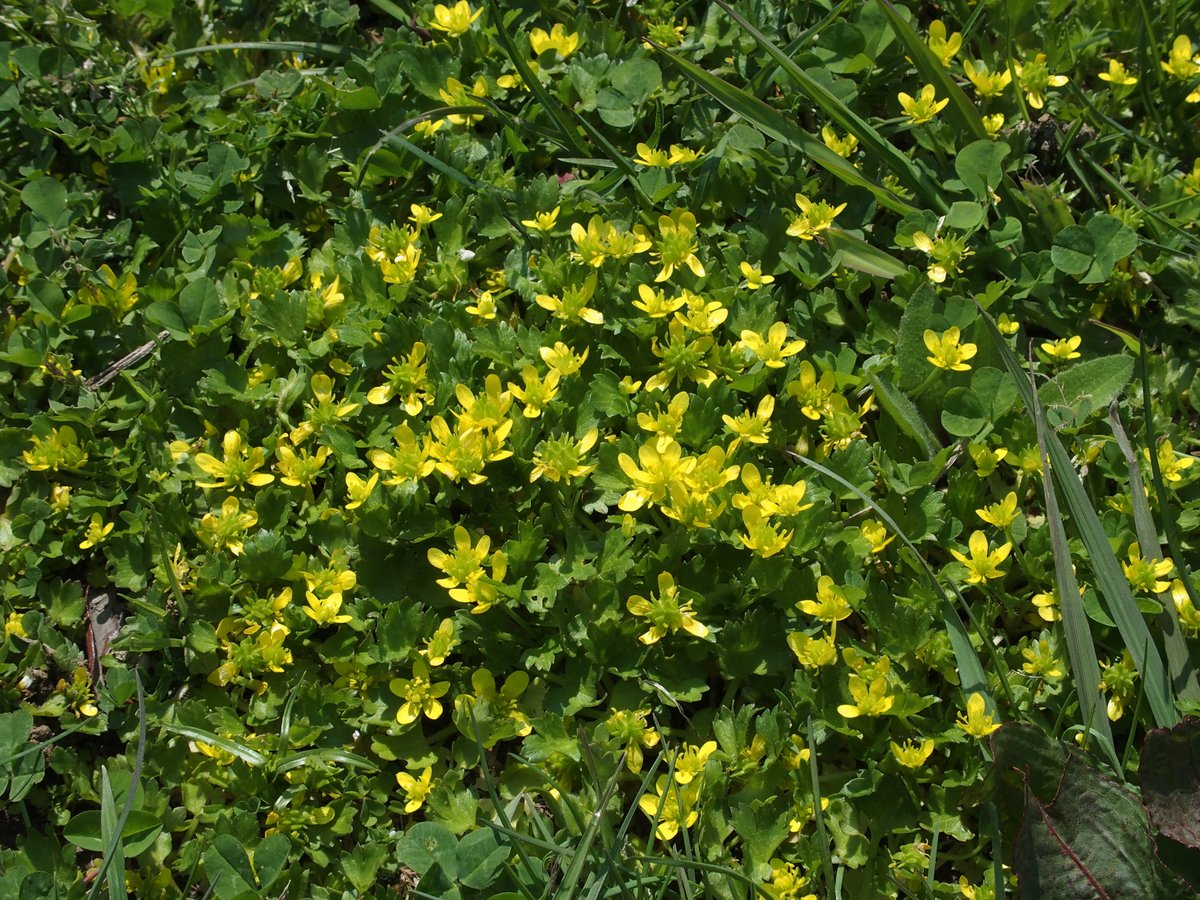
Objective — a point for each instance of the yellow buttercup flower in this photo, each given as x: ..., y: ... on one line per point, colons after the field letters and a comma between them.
x: 814, y: 218
x: 665, y: 613
x: 1181, y: 62
x: 416, y: 790
x: 1171, y: 465
x: 912, y: 754
x: 1034, y: 77
x: 977, y: 722
x: 946, y: 254
x: 923, y: 107
x: 842, y: 146
x: 1117, y: 75
x: 543, y: 221
x: 1062, y: 350
x: 652, y: 157
x: 238, y: 467
x: 419, y: 693
x: 1000, y: 514
x: 946, y: 351
x: 96, y: 532
x: 774, y: 348
x: 871, y: 698
x: 455, y: 20
x: 987, y: 83
x: 983, y: 563
x: 556, y: 40
x: 1147, y: 575
x: 944, y: 47
x: 754, y: 276
x: 672, y: 807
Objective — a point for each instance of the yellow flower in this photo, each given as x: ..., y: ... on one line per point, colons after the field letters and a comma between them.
x: 536, y: 393
x: 982, y: 564
x: 412, y: 459
x: 562, y: 360
x: 986, y: 459
x: 1063, y: 349
x: 572, y: 305
x: 465, y: 563
x: 238, y: 468
x: 676, y: 245
x: 690, y: 761
x: 408, y: 380
x: 754, y: 276
x: 440, y: 644
x: 358, y: 490
x: 1171, y: 465
x: 557, y: 39
x: 484, y: 307
x: 325, y: 610
x: 299, y: 470
x: 977, y: 722
x: 543, y: 221
x: 923, y: 108
x: 947, y: 352
x: 652, y: 157
x: 1046, y: 606
x: 14, y: 626
x: 562, y: 459
x: 1000, y: 514
x: 870, y: 698
x: 703, y: 316
x: 654, y: 303
x: 987, y: 83
x: 813, y: 653
x: 681, y: 155
x: 814, y: 218
x: 419, y: 693
x: 1147, y: 575
x: 946, y: 254
x: 875, y: 534
x: 665, y: 613
x: 943, y: 47
x: 842, y: 146
x: 662, y: 463
x: 416, y: 790
x: 912, y: 755
x: 455, y: 94
x: 422, y: 215
x: 754, y: 428
x: 774, y: 348
x: 1007, y: 325
x: 61, y: 450
x: 456, y: 20
x: 1116, y: 74
x: 627, y: 729
x: 1034, y: 77
x: 225, y: 530
x: 761, y: 536
x: 671, y: 807
x: 96, y: 532
x: 683, y: 357
x: 787, y: 882
x: 993, y: 123
x: 1040, y: 660
x: 1181, y: 63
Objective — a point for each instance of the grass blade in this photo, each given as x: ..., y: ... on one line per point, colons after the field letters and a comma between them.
x: 113, y: 825
x: 858, y: 254
x: 775, y: 124
x: 868, y: 136
x: 332, y: 51
x: 1081, y: 651
x: 1179, y: 660
x: 1110, y: 580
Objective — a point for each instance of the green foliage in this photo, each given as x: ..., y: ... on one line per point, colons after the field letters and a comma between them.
x: 604, y: 450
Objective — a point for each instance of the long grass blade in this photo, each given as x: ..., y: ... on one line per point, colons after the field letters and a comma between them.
x: 1110, y: 581
x: 858, y: 254
x: 112, y: 824
x: 332, y: 51
x: 775, y: 124
x: 868, y: 136
x: 1179, y: 659
x: 1081, y: 651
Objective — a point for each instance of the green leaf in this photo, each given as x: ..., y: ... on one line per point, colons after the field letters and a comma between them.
x: 362, y: 865
x: 427, y: 844
x: 637, y: 79
x: 963, y: 414
x: 904, y: 412
x: 283, y: 315
x: 1169, y: 775
x: 857, y: 254
x: 911, y: 352
x: 199, y: 305
x: 47, y: 200
x: 1073, y: 250
x: 141, y: 830
x: 270, y: 858
x: 1088, y: 386
x: 479, y: 857
x: 228, y: 867
x: 980, y: 166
